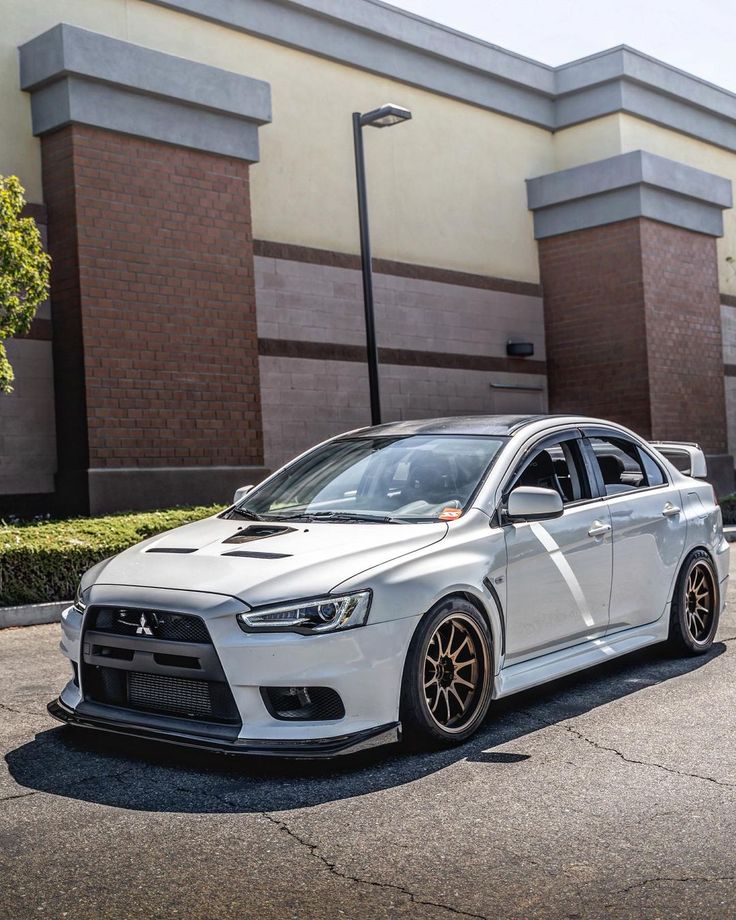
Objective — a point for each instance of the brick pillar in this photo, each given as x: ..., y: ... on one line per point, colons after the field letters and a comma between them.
x: 146, y: 161
x: 153, y: 301
x: 629, y: 272
x: 633, y: 329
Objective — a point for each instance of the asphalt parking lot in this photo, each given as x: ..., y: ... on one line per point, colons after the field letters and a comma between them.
x: 610, y: 794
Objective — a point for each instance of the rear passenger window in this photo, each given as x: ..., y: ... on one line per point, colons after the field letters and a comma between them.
x: 623, y: 467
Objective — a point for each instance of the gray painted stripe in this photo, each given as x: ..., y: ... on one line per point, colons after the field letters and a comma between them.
x: 374, y: 36
x: 77, y: 76
x: 636, y: 184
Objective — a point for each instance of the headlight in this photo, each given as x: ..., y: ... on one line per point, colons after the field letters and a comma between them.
x: 79, y: 602
x: 323, y: 614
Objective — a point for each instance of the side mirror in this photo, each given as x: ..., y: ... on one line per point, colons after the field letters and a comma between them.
x: 241, y: 493
x: 529, y: 503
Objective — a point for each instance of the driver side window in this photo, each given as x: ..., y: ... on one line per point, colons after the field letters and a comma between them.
x: 558, y: 466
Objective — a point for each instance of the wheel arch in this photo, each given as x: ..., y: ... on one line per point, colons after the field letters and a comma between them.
x: 493, y: 617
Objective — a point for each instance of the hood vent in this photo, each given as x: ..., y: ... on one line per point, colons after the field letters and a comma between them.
x: 258, y: 532
x: 172, y: 549
x: 253, y: 555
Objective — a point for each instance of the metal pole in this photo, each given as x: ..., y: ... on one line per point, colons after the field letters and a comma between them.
x: 365, y: 258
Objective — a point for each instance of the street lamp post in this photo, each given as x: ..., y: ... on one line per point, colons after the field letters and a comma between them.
x: 383, y: 117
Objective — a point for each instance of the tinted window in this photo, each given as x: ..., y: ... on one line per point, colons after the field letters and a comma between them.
x: 655, y: 476
x: 623, y: 466
x: 556, y: 467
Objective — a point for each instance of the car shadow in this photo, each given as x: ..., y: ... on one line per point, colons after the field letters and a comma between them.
x: 151, y: 776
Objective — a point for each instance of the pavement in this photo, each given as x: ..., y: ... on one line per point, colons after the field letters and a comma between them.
x: 606, y: 795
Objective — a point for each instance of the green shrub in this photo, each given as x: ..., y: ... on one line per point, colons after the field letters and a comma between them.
x: 42, y: 562
x: 728, y: 508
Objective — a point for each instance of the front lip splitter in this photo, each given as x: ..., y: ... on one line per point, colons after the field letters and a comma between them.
x: 150, y: 728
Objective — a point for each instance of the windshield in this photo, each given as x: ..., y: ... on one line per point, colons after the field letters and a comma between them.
x: 394, y: 479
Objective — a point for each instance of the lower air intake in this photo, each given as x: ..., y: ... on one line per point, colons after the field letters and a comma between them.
x: 205, y: 700
x: 175, y: 695
x: 304, y: 704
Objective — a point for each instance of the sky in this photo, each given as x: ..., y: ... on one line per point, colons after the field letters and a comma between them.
x: 698, y: 36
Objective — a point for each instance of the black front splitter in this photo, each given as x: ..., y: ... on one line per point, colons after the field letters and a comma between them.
x: 314, y: 748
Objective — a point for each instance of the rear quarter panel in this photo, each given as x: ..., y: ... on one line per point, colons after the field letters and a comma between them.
x: 705, y: 526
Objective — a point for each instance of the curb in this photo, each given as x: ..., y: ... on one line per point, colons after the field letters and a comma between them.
x: 32, y: 614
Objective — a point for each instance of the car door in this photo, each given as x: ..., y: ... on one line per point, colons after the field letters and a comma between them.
x: 648, y: 526
x: 558, y: 576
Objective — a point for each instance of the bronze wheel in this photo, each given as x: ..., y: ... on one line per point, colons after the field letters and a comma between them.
x: 695, y: 606
x: 453, y: 672
x: 448, y: 677
x: 699, y: 603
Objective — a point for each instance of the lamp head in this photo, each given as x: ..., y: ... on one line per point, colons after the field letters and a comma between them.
x: 385, y: 116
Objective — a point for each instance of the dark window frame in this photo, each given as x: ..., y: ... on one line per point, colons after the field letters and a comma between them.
x: 554, y: 440
x: 592, y: 461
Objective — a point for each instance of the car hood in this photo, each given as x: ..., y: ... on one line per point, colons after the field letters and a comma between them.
x: 261, y: 563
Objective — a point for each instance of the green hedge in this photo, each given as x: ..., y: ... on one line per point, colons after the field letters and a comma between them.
x: 42, y: 562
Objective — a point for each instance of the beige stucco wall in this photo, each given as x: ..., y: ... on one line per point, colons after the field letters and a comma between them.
x: 446, y: 189
x: 641, y: 135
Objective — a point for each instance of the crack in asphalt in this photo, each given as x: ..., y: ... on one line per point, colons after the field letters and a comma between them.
x: 632, y: 760
x: 20, y: 795
x: 72, y: 785
x: 313, y: 849
x: 19, y: 712
x: 682, y: 879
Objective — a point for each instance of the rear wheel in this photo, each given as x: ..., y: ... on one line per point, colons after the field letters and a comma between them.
x: 695, y: 606
x: 448, y: 676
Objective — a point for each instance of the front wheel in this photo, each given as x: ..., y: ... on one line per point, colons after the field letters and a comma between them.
x: 695, y: 606
x: 448, y: 676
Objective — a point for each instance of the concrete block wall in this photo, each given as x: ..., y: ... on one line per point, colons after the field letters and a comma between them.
x: 428, y: 323
x: 27, y: 429
x: 728, y: 327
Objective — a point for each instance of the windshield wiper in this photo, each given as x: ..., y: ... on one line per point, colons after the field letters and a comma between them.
x: 245, y: 513
x: 344, y: 516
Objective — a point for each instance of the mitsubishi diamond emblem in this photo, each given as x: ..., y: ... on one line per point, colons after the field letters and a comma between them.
x: 143, y: 629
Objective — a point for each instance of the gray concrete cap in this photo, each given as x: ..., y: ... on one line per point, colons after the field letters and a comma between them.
x: 635, y: 184
x: 383, y: 39
x: 78, y: 76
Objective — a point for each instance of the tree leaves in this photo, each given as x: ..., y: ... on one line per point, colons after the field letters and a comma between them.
x: 24, y: 271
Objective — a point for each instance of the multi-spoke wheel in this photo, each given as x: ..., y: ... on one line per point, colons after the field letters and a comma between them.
x: 448, y: 674
x: 695, y: 606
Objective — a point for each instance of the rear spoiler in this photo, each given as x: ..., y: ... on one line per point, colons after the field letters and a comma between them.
x: 686, y: 456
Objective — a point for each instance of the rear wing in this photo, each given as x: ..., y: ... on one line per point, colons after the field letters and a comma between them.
x: 685, y: 456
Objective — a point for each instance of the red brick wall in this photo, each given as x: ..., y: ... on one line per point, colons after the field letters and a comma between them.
x: 153, y: 286
x: 632, y: 325
x: 685, y: 348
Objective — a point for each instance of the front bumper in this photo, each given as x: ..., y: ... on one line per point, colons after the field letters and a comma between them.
x: 138, y: 726
x: 363, y: 666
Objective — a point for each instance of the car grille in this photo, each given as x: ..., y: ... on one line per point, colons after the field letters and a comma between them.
x: 170, y: 627
x: 137, y: 658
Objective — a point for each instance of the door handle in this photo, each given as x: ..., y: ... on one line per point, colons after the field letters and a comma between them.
x: 670, y: 510
x: 599, y: 529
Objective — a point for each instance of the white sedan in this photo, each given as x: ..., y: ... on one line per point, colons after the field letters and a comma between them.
x: 397, y: 579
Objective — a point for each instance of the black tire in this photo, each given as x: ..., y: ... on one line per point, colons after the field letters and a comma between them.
x: 695, y: 606
x: 435, y: 715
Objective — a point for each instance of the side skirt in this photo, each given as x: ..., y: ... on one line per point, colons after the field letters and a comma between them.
x: 537, y: 671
